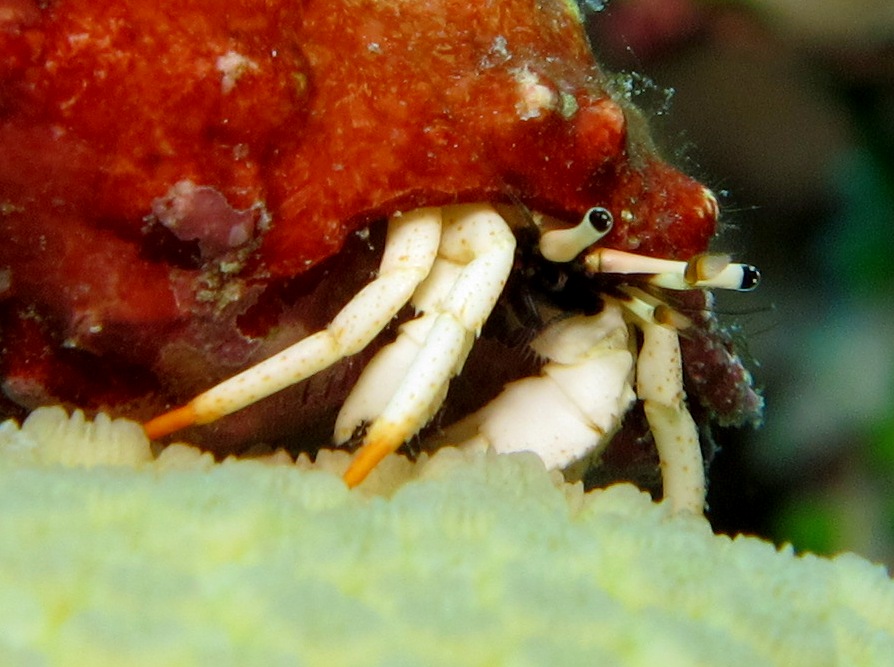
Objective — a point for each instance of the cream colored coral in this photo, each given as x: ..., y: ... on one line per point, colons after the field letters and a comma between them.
x: 465, y: 559
x: 49, y: 436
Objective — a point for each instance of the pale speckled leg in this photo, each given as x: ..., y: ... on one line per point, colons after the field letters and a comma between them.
x: 474, y: 259
x: 411, y: 247
x: 659, y: 383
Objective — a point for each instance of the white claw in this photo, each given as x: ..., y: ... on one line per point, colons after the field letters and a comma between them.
x: 571, y: 410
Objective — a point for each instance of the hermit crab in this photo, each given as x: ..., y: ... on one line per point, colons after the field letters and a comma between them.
x: 394, y: 208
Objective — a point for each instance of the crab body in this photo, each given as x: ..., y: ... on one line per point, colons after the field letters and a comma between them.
x: 186, y: 190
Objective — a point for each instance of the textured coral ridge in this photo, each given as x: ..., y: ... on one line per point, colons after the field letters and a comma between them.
x: 110, y: 557
x: 162, y: 163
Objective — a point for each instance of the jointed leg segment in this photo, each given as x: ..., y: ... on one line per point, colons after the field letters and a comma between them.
x: 659, y: 384
x: 454, y: 274
x: 476, y: 255
x: 410, y: 250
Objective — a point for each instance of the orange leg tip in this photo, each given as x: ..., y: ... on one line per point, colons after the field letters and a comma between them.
x: 170, y: 422
x: 367, y: 458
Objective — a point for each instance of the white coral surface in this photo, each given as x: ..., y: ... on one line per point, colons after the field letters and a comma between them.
x: 111, y: 557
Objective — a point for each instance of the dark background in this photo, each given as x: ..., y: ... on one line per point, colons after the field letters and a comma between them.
x: 789, y: 116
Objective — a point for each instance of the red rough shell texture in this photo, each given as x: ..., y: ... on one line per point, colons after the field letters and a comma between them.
x: 165, y: 167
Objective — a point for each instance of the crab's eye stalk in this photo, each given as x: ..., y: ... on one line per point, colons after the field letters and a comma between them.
x: 563, y: 245
x: 719, y: 271
x: 706, y: 271
x: 600, y: 220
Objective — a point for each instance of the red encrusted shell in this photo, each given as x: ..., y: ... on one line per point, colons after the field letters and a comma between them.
x: 173, y: 175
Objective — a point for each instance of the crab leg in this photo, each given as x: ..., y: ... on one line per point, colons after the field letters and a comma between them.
x: 475, y: 257
x: 410, y: 251
x: 659, y: 383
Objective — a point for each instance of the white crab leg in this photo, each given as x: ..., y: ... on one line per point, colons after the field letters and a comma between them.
x: 410, y: 250
x: 576, y: 404
x: 659, y: 383
x: 381, y: 378
x: 474, y: 260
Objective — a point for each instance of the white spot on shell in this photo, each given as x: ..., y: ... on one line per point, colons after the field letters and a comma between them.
x: 233, y: 66
x: 535, y: 97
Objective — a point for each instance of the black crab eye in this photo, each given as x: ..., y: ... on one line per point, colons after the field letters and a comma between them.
x: 600, y: 219
x: 750, y: 278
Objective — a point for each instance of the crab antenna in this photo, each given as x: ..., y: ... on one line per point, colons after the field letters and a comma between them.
x: 702, y: 271
x: 559, y: 244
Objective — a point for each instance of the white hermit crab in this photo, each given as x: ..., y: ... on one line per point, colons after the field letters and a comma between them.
x: 452, y: 263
